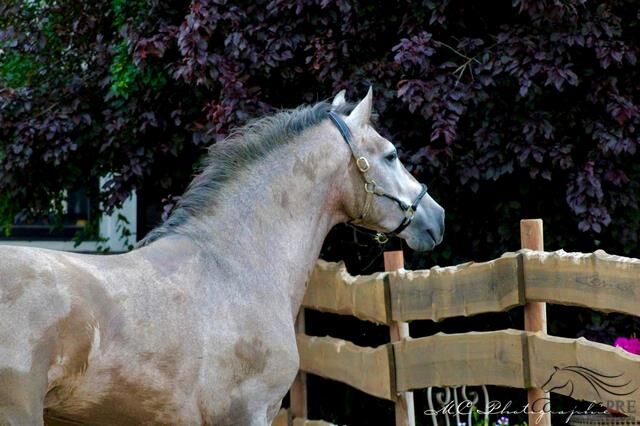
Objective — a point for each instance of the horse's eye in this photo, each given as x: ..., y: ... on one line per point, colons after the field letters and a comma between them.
x: 391, y: 157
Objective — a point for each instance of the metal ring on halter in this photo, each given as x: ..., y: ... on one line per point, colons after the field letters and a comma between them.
x: 370, y: 187
x: 409, y: 212
x: 363, y: 164
x: 381, y: 238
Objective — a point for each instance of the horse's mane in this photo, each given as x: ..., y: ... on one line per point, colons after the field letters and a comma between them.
x: 226, y: 159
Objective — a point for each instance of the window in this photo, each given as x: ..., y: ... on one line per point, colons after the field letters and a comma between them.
x: 115, y: 232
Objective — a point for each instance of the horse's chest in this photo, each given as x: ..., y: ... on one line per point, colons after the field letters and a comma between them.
x: 250, y: 371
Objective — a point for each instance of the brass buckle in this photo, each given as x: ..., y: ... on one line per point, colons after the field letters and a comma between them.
x: 370, y: 187
x: 363, y: 164
x: 381, y: 238
x: 409, y: 213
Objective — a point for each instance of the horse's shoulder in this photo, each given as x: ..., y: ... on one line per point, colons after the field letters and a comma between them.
x: 59, y: 279
x: 24, y: 265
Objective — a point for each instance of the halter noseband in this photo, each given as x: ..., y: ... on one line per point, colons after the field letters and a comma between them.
x: 370, y: 186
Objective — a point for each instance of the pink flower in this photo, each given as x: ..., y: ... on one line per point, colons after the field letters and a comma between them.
x: 629, y: 345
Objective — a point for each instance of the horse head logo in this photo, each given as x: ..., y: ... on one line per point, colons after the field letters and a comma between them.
x: 567, y: 377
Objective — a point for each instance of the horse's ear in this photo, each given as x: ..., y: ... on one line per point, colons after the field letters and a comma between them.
x: 339, y: 100
x: 362, y: 112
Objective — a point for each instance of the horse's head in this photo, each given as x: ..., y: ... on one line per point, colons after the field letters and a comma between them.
x: 380, y: 193
x: 560, y: 381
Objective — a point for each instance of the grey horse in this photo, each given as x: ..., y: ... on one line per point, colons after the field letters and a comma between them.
x: 196, y: 325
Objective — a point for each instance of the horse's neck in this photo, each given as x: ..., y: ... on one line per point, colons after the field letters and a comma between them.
x: 270, y: 223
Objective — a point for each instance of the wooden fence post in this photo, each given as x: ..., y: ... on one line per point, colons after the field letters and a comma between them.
x: 405, y: 411
x: 298, y: 391
x: 535, y: 319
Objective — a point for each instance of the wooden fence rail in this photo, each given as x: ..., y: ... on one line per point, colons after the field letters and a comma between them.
x: 344, y: 361
x: 598, y: 281
x: 518, y: 359
x: 332, y: 289
x: 514, y: 358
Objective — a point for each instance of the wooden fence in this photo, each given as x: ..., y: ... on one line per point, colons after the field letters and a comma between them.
x: 513, y: 358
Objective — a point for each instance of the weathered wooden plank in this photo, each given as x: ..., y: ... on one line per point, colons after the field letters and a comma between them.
x: 453, y: 359
x: 366, y: 369
x: 466, y: 289
x: 585, y: 370
x: 332, y: 289
x: 598, y: 280
x: 574, y: 367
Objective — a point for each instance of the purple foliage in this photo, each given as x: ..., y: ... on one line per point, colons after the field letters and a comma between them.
x: 497, y: 103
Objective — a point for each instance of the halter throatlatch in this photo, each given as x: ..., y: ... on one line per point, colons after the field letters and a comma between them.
x: 371, y: 188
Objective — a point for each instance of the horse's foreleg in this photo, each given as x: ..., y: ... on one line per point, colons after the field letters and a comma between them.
x: 272, y: 411
x: 17, y: 417
x: 21, y: 399
x: 259, y: 421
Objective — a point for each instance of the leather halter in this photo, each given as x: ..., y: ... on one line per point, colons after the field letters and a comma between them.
x: 371, y: 188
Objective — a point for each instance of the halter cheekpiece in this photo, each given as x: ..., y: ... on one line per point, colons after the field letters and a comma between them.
x: 370, y: 186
